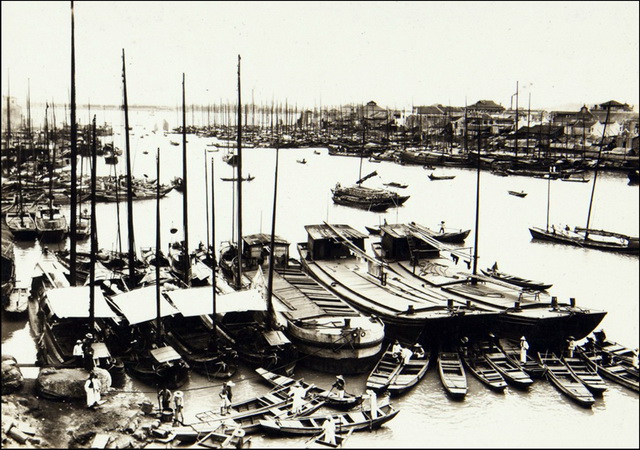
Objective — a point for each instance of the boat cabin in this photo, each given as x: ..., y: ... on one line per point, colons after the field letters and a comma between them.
x: 324, y: 242
x: 256, y: 247
x: 399, y: 243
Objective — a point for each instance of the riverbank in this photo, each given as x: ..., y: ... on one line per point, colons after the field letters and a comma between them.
x: 40, y: 423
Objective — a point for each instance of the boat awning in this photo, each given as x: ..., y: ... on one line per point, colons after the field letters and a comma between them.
x: 317, y: 232
x: 195, y: 301
x: 100, y: 350
x: 275, y: 338
x: 247, y: 300
x: 74, y: 302
x: 164, y: 354
x: 139, y: 305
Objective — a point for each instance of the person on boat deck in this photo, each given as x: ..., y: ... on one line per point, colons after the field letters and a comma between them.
x: 442, y: 226
x: 329, y: 428
x: 226, y: 395
x: 418, y: 351
x: 164, y: 398
x: 370, y: 402
x: 465, y: 345
x: 571, y: 346
x: 600, y: 336
x: 297, y: 392
x: 77, y: 353
x: 92, y: 387
x: 406, y: 355
x: 553, y: 229
x: 634, y: 358
x: 396, y: 350
x: 178, y: 403
x: 339, y: 385
x: 494, y: 268
x: 524, y: 346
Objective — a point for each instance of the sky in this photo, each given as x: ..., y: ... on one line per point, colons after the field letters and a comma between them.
x: 311, y: 54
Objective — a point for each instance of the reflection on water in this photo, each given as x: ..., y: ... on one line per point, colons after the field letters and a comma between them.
x: 541, y: 417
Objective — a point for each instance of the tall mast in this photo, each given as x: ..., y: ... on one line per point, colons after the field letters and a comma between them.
x: 475, y: 243
x: 158, y: 256
x: 595, y: 173
x: 269, y: 299
x: 93, y: 232
x: 185, y: 210
x: 74, y: 158
x: 516, y: 127
x: 239, y: 167
x: 213, y: 268
x: 132, y: 243
x: 8, y: 111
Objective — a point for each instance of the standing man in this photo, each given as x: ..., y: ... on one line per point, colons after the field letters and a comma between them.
x: 164, y: 399
x: 442, y: 226
x: 87, y: 352
x: 178, y: 401
x: 226, y: 395
x: 524, y: 346
x: 571, y: 346
x: 77, y: 353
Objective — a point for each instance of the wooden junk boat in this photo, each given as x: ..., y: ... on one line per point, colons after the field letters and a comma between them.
x: 143, y: 346
x: 334, y: 254
x: 489, y: 305
x: 367, y: 198
x: 328, y: 333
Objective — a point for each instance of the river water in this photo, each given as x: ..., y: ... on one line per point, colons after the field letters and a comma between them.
x: 541, y: 417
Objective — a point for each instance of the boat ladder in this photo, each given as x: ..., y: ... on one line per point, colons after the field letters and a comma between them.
x: 412, y: 247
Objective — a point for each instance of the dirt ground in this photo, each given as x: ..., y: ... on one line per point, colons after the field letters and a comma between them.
x: 70, y: 424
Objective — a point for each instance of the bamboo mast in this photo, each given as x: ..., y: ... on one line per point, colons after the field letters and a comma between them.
x: 158, y: 256
x: 185, y: 203
x: 92, y: 231
x: 239, y: 167
x: 129, y: 181
x: 74, y: 159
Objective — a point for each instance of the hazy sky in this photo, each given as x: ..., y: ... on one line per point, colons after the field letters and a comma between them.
x: 312, y: 53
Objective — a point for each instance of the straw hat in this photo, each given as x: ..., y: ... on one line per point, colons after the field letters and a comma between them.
x: 339, y: 377
x: 178, y: 394
x: 523, y: 338
x: 230, y: 383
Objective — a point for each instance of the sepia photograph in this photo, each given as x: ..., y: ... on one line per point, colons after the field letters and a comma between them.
x: 320, y: 224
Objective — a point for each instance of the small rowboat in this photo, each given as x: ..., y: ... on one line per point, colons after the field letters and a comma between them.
x: 394, y: 375
x: 248, y: 413
x: 452, y: 374
x: 331, y: 398
x: 565, y: 381
x: 248, y: 178
x: 520, y: 194
x: 516, y: 281
x: 483, y: 371
x: 510, y: 371
x: 396, y: 185
x: 435, y: 177
x: 587, y: 374
x: 611, y: 369
x: 313, y: 425
x: 531, y: 367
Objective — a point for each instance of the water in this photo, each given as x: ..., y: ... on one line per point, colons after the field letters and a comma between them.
x: 541, y: 417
